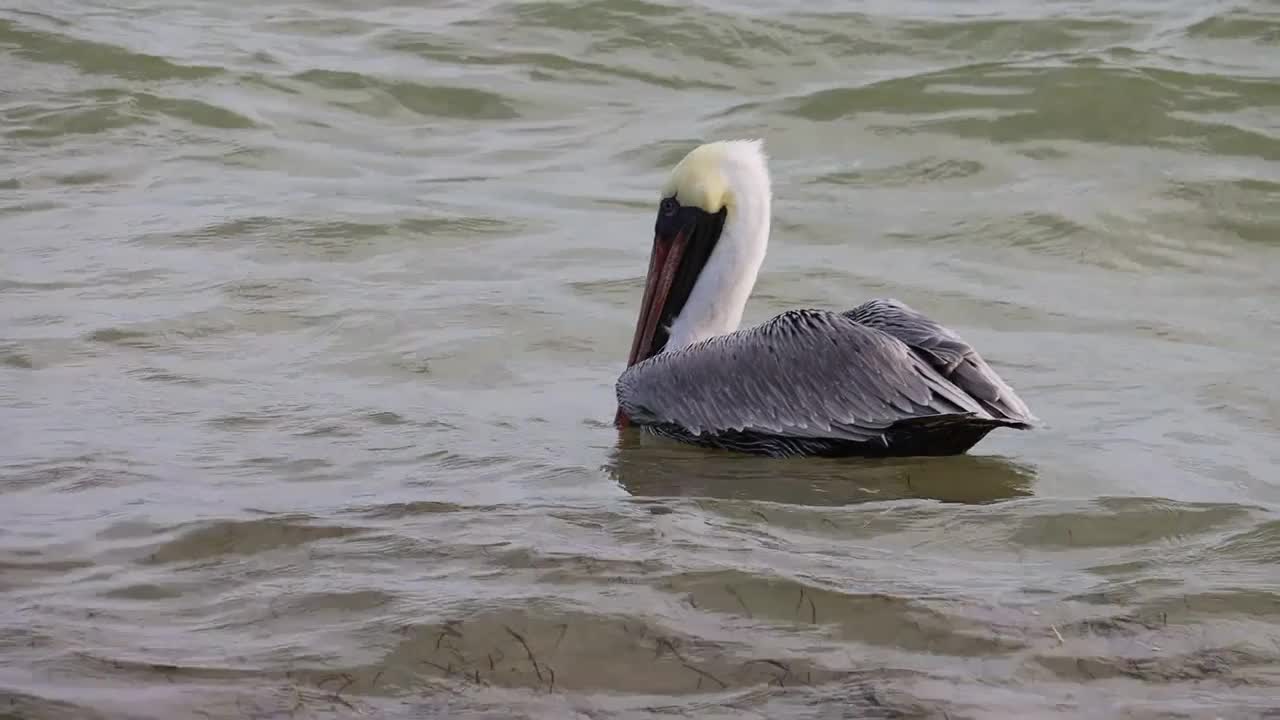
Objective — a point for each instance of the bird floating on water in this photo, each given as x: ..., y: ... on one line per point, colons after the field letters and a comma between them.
x: 878, y: 380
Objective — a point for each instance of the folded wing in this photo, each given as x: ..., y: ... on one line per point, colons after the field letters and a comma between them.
x: 947, y: 353
x: 804, y: 373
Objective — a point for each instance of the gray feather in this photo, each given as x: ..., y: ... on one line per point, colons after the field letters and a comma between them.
x: 948, y: 353
x: 802, y: 374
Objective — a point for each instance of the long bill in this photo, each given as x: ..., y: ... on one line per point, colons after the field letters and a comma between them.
x: 664, y: 261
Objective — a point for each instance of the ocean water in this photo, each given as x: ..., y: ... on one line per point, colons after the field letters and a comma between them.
x: 310, y: 314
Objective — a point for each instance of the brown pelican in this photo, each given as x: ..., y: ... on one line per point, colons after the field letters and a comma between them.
x: 878, y: 380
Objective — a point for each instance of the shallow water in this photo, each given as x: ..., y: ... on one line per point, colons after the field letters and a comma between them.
x: 310, y: 314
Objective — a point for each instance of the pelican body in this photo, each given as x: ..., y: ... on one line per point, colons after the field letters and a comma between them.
x: 878, y: 380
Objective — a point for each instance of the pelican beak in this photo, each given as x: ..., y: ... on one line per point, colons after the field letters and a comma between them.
x: 683, y: 240
x: 664, y: 262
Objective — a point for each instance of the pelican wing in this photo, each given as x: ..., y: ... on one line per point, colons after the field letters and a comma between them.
x: 947, y: 352
x: 804, y: 373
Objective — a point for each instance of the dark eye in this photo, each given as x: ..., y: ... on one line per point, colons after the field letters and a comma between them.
x: 668, y: 206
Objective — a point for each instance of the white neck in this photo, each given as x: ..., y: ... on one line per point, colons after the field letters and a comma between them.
x: 720, y: 294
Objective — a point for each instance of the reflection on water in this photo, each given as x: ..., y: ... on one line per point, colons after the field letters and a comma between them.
x: 652, y: 468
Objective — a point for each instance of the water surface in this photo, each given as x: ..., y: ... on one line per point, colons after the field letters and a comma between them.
x: 310, y: 314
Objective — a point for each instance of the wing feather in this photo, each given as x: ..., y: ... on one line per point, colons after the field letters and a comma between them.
x: 947, y: 352
x: 804, y: 373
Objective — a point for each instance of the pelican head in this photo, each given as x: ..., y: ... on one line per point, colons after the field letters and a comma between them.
x: 709, y: 241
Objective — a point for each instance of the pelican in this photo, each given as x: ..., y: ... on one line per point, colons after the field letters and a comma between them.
x: 878, y: 380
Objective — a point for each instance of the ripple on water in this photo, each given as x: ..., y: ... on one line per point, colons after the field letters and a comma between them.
x: 370, y: 94
x: 92, y: 113
x: 143, y: 592
x: 1242, y: 208
x: 1030, y: 36
x: 206, y: 540
x: 95, y: 58
x: 1011, y: 102
x: 285, y: 239
x: 709, y: 42
x: 689, y: 630
x: 1126, y: 522
x: 1238, y: 24
x: 194, y: 112
x: 1260, y: 544
x: 916, y: 171
x: 106, y: 110
x: 73, y: 474
x: 878, y: 619
x: 179, y: 333
x: 1165, y: 668
x: 541, y: 65
x: 396, y: 511
x: 15, y: 356
x: 549, y: 648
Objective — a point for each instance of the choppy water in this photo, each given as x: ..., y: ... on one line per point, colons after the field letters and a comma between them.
x: 310, y: 314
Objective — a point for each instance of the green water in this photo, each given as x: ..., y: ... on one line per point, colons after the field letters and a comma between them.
x: 310, y: 314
